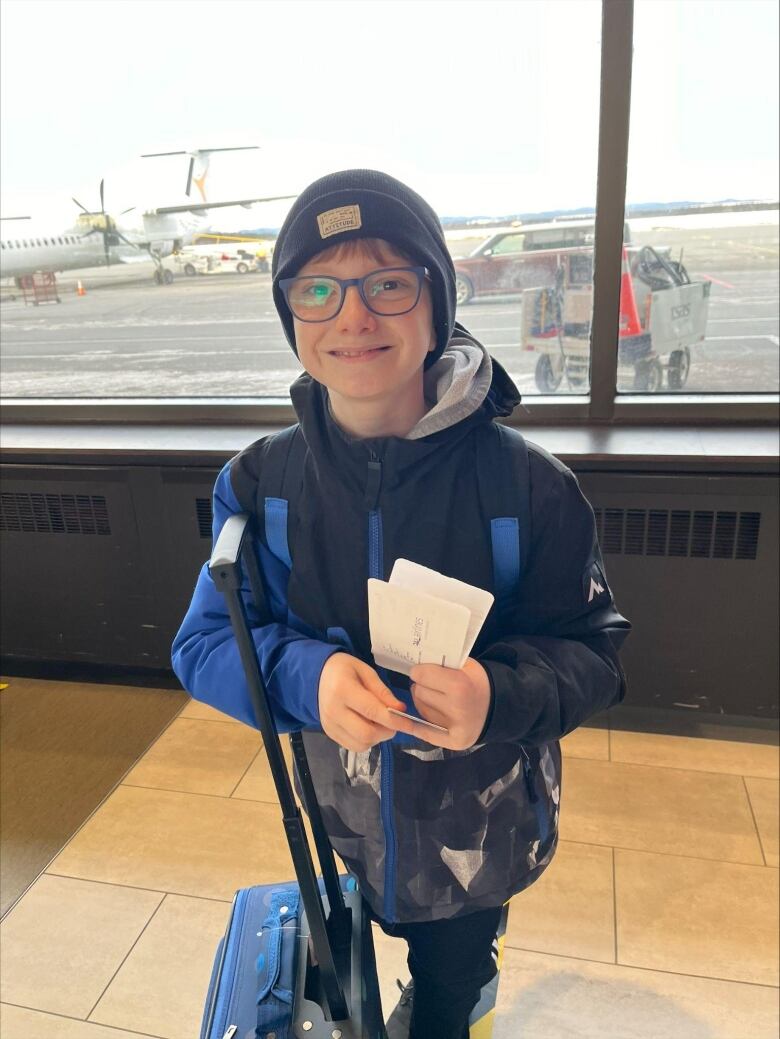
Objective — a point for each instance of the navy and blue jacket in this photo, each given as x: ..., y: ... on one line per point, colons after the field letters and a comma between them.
x: 429, y: 833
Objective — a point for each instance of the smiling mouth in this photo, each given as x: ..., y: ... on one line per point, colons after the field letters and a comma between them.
x: 368, y: 351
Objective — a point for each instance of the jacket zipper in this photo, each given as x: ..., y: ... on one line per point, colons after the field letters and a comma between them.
x: 529, y: 773
x: 530, y: 786
x: 376, y: 569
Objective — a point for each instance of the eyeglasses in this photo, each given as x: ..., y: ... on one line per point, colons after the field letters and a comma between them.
x: 389, y: 292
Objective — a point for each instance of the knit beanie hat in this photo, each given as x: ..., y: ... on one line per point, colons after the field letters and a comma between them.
x: 366, y: 204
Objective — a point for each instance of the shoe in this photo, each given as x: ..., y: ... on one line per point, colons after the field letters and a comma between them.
x: 401, y: 1017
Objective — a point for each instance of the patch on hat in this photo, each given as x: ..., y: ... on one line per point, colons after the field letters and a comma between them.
x: 334, y: 221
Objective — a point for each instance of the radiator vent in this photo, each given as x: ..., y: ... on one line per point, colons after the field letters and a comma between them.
x: 676, y: 532
x: 54, y: 513
x: 204, y: 516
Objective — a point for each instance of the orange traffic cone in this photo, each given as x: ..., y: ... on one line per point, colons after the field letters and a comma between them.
x: 80, y: 290
x: 630, y: 325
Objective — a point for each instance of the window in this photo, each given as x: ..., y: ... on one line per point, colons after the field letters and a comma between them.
x: 559, y: 238
x: 527, y: 151
x: 507, y: 170
x: 509, y: 244
x: 704, y: 129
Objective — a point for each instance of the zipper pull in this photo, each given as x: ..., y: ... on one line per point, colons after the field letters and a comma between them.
x: 374, y: 481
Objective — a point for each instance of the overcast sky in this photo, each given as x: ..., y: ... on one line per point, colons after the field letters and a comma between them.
x: 484, y: 107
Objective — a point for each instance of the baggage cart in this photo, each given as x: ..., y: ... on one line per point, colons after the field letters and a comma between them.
x: 40, y: 287
x: 663, y: 315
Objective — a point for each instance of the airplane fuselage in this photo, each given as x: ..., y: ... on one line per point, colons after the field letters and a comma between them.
x: 25, y: 253
x: 97, y: 234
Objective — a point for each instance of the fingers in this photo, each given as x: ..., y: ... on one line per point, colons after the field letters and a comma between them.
x: 432, y: 705
x: 356, y: 733
x: 385, y: 698
x: 457, y: 699
x: 359, y: 730
x: 437, y: 705
x: 353, y: 701
x: 437, y: 678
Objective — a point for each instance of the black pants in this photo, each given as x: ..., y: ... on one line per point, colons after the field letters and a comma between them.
x: 450, y: 961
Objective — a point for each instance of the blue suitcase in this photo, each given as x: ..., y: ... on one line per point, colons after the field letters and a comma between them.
x: 254, y: 973
x: 297, y: 959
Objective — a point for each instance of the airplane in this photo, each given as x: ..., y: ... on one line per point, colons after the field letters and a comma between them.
x: 96, y: 239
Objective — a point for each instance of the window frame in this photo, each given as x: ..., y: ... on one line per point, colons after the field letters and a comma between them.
x: 603, y: 406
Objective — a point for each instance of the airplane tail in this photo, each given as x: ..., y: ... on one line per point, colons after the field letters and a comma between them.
x: 199, y: 164
x: 199, y: 169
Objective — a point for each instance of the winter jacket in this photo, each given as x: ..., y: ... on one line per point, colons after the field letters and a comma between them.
x: 429, y: 833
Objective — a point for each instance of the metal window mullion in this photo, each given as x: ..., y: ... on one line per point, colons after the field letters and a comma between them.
x: 617, y: 22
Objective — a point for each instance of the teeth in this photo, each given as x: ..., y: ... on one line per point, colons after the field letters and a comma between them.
x: 355, y: 353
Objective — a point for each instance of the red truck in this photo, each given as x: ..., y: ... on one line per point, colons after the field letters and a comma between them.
x: 523, y: 257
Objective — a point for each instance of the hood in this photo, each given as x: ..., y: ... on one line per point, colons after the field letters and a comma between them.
x: 466, y: 387
x: 456, y: 385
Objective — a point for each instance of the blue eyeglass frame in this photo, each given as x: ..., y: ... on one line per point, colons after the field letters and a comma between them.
x: 285, y: 284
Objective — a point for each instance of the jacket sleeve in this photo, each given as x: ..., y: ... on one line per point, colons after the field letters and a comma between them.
x: 558, y: 664
x: 206, y: 659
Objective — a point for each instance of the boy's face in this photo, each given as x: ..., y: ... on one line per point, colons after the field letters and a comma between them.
x: 359, y: 355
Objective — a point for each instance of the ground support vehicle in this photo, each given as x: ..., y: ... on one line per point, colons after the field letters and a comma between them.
x: 191, y: 262
x: 208, y: 259
x: 241, y: 261
x: 663, y: 314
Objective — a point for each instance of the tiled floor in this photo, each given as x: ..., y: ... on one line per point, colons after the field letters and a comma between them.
x: 658, y: 918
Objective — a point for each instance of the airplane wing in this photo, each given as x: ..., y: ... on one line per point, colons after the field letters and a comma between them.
x: 195, y: 207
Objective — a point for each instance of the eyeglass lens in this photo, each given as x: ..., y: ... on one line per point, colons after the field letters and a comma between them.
x: 386, y: 292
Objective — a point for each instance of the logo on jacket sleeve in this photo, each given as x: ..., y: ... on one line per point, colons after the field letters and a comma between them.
x: 594, y: 583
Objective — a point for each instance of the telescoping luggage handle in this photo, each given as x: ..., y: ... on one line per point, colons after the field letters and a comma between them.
x: 234, y: 548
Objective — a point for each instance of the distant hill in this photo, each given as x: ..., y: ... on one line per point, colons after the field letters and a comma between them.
x: 636, y: 210
x: 455, y: 223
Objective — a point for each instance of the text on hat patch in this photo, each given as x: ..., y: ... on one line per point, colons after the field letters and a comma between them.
x: 334, y: 221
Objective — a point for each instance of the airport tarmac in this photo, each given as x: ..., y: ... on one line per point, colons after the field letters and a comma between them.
x: 219, y: 335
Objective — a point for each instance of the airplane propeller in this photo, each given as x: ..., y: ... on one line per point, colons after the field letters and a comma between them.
x: 106, y: 226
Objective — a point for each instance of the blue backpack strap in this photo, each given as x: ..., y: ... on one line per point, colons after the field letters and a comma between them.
x: 282, y: 482
x: 504, y: 475
x: 282, y: 477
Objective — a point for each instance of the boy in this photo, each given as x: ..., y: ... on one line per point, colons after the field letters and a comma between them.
x: 396, y: 413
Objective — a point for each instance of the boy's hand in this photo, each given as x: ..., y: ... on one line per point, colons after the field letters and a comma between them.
x: 352, y: 701
x: 457, y: 699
